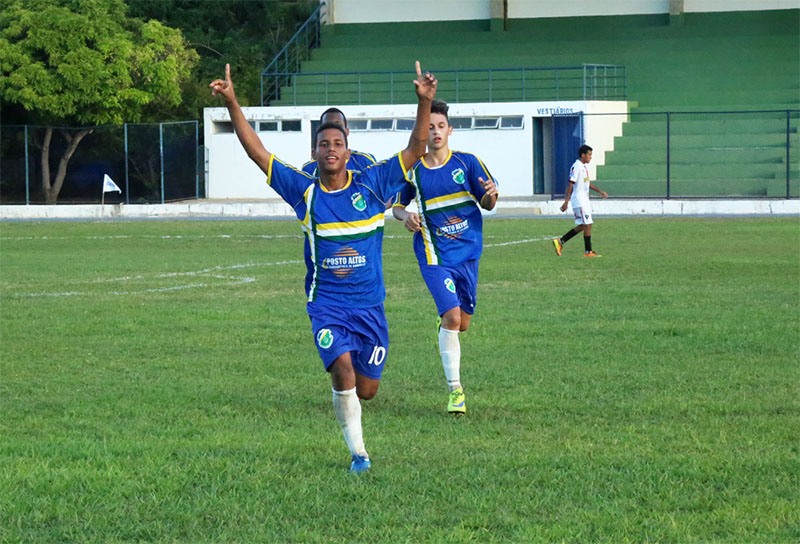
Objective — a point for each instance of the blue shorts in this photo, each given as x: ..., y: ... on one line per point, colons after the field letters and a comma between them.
x: 361, y: 331
x: 452, y: 286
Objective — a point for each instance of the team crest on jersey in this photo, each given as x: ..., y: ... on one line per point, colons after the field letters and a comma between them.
x: 325, y: 338
x: 458, y: 176
x: 359, y: 202
x: 451, y: 286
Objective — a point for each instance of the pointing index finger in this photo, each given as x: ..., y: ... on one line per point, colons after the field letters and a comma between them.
x: 227, y: 71
x: 419, y: 70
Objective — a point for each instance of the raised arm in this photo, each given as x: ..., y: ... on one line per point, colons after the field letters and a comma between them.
x: 426, y: 90
x: 247, y: 136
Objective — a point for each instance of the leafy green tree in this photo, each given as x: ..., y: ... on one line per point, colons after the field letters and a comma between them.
x: 245, y: 33
x: 86, y: 62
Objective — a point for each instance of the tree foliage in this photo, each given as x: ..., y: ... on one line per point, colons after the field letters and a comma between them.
x: 245, y: 33
x: 86, y: 62
x: 93, y: 62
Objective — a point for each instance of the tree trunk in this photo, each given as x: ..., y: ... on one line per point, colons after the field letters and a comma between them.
x: 48, y: 135
x: 51, y: 190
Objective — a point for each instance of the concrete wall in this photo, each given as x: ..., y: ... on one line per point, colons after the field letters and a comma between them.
x: 380, y: 11
x: 505, y: 207
x: 508, y: 153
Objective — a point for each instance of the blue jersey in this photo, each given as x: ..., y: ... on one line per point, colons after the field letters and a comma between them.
x: 343, y: 229
x: 447, y: 198
x: 358, y: 161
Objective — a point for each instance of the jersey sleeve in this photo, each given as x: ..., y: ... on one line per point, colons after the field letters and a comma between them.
x: 362, y: 160
x: 574, y: 173
x: 289, y: 182
x: 310, y: 168
x: 478, y: 170
x: 406, y: 195
x: 386, y: 178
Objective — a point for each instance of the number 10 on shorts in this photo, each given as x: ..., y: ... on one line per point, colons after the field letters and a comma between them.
x: 378, y: 356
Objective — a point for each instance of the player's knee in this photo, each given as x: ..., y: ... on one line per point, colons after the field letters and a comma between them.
x: 451, y: 321
x: 366, y: 394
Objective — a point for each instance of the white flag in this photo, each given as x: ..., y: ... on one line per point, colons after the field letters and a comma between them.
x: 109, y: 185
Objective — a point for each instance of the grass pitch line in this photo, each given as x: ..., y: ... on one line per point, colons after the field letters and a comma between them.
x: 151, y: 237
x: 231, y: 280
x: 526, y: 241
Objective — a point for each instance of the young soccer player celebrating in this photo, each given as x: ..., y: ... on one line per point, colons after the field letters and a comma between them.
x: 448, y: 187
x: 578, y: 195
x: 358, y: 160
x: 342, y: 213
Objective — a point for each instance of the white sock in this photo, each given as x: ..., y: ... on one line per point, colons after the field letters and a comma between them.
x: 348, y: 412
x: 450, y: 350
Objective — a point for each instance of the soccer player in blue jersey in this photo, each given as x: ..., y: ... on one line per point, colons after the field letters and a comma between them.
x: 448, y: 186
x: 341, y: 213
x: 358, y: 160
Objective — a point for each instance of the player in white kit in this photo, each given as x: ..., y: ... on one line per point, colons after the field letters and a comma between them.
x: 578, y: 195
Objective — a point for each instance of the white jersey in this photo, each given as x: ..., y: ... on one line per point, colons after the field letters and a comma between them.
x: 579, y: 177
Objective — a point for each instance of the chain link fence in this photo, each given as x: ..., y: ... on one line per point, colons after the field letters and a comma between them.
x: 151, y: 163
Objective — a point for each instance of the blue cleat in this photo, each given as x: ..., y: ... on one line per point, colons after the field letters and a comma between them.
x: 360, y: 464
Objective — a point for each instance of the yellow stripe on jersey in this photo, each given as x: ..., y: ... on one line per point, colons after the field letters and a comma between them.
x: 269, y: 170
x: 425, y: 231
x: 272, y: 158
x: 487, y: 177
x: 306, y: 221
x: 448, y: 200
x: 346, y: 185
x: 449, y: 155
x: 351, y: 227
x: 406, y: 172
x: 308, y: 227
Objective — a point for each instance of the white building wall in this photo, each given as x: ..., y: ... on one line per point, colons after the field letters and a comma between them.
x: 508, y: 153
x: 527, y: 9
x: 690, y: 6
x: 381, y: 11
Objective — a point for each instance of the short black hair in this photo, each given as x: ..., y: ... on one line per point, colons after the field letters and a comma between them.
x: 333, y: 110
x: 583, y: 149
x: 440, y: 107
x: 326, y: 126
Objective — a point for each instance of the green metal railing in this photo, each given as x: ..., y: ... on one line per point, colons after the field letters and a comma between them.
x: 296, y: 50
x: 586, y: 82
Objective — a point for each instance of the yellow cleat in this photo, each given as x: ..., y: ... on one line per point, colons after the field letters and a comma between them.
x: 558, y: 245
x: 457, y: 403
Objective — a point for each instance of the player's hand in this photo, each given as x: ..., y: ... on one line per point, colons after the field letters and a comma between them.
x: 488, y: 186
x: 564, y: 207
x: 224, y: 88
x: 604, y: 194
x: 412, y: 222
x: 425, y: 84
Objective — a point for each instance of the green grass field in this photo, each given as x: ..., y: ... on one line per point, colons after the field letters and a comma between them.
x: 159, y: 383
